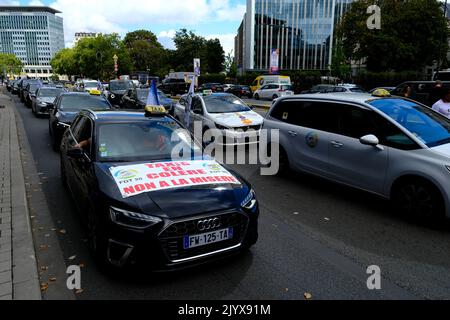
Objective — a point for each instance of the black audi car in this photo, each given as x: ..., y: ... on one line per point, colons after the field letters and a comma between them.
x: 141, y: 205
x: 117, y: 89
x: 66, y: 107
x: 136, y: 98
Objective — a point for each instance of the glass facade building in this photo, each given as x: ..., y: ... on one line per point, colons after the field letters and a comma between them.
x: 302, y: 31
x: 33, y: 34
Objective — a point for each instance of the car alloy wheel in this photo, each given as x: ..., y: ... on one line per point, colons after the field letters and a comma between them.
x: 420, y: 199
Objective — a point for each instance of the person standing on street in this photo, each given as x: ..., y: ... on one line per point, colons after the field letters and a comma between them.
x: 443, y: 105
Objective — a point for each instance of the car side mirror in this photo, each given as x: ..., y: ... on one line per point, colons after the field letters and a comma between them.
x: 75, y: 153
x: 370, y: 140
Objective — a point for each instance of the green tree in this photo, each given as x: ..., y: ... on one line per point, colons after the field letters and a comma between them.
x: 214, y: 56
x: 64, y: 62
x: 230, y: 65
x: 9, y: 63
x: 143, y: 35
x: 145, y: 51
x: 94, y: 57
x: 413, y: 34
x: 340, y: 66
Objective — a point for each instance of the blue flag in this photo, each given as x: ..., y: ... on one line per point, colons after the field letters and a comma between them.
x: 153, y: 99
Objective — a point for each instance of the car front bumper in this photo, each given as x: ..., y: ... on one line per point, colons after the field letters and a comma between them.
x: 161, y: 248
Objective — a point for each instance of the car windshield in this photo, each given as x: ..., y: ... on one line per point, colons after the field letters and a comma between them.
x: 427, y: 125
x: 90, y: 84
x: 119, y: 85
x: 143, y: 94
x: 224, y: 104
x: 52, y: 93
x: 357, y: 89
x: 84, y: 101
x: 145, y: 140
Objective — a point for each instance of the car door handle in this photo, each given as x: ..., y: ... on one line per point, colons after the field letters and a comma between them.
x: 337, y: 144
x: 292, y: 133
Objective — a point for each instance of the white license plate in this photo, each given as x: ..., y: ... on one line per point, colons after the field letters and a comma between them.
x: 207, y: 238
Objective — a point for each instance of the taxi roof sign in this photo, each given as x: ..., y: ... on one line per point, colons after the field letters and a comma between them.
x: 155, y: 111
x: 95, y: 92
x: 381, y: 93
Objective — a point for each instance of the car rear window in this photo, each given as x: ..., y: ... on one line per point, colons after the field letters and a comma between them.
x: 84, y: 101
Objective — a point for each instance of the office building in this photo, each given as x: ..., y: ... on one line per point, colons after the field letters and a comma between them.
x: 34, y: 34
x: 301, y: 30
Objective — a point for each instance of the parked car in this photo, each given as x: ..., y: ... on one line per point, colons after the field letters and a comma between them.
x: 263, y: 80
x: 43, y: 100
x: 136, y: 98
x: 241, y: 91
x: 238, y: 124
x: 214, y: 87
x: 117, y: 89
x: 320, y: 88
x: 204, y: 212
x: 29, y: 91
x: 227, y: 87
x: 173, y: 86
x: 421, y: 91
x: 67, y: 106
x: 23, y: 93
x: 390, y: 146
x: 273, y: 91
x: 86, y: 85
x: 344, y: 88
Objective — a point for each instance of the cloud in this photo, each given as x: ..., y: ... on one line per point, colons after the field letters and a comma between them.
x: 166, y: 38
x: 35, y: 3
x: 9, y: 3
x: 108, y: 16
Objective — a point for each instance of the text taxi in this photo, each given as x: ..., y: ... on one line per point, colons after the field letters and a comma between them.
x: 148, y: 194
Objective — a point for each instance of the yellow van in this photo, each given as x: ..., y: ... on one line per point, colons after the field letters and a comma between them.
x: 263, y: 80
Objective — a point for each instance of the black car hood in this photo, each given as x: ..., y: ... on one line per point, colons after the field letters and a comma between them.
x: 67, y: 116
x: 173, y: 203
x: 118, y: 92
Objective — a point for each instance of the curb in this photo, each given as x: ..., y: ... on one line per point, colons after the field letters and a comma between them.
x: 24, y: 269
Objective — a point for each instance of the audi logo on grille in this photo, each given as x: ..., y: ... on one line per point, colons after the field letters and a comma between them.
x: 208, y: 224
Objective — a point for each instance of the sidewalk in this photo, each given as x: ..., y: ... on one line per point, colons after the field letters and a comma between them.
x: 18, y: 272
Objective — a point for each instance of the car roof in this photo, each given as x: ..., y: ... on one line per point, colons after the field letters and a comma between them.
x: 124, y: 116
x: 73, y: 93
x: 354, y: 97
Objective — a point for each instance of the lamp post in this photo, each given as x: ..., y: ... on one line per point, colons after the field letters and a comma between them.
x: 116, y: 66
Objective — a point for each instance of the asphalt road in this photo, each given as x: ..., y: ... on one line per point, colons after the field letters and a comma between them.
x: 315, y: 237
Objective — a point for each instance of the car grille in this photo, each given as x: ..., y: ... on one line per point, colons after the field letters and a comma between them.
x: 245, y: 129
x: 171, y: 238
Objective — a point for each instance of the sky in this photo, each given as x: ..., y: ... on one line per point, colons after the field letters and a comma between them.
x: 208, y: 18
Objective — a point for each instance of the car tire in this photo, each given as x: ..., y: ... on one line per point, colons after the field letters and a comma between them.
x: 97, y: 242
x: 63, y: 174
x: 418, y: 198
x: 55, y: 145
x: 283, y: 165
x: 256, y: 96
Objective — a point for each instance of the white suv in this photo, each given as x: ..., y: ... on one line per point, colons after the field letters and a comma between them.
x: 273, y: 91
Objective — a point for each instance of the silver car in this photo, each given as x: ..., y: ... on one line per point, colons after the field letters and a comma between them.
x: 390, y: 146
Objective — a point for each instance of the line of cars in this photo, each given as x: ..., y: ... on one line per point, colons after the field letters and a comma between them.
x: 138, y: 203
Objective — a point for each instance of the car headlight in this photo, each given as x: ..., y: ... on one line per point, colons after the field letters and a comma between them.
x: 250, y: 201
x: 221, y: 127
x: 132, y: 219
x: 42, y: 104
